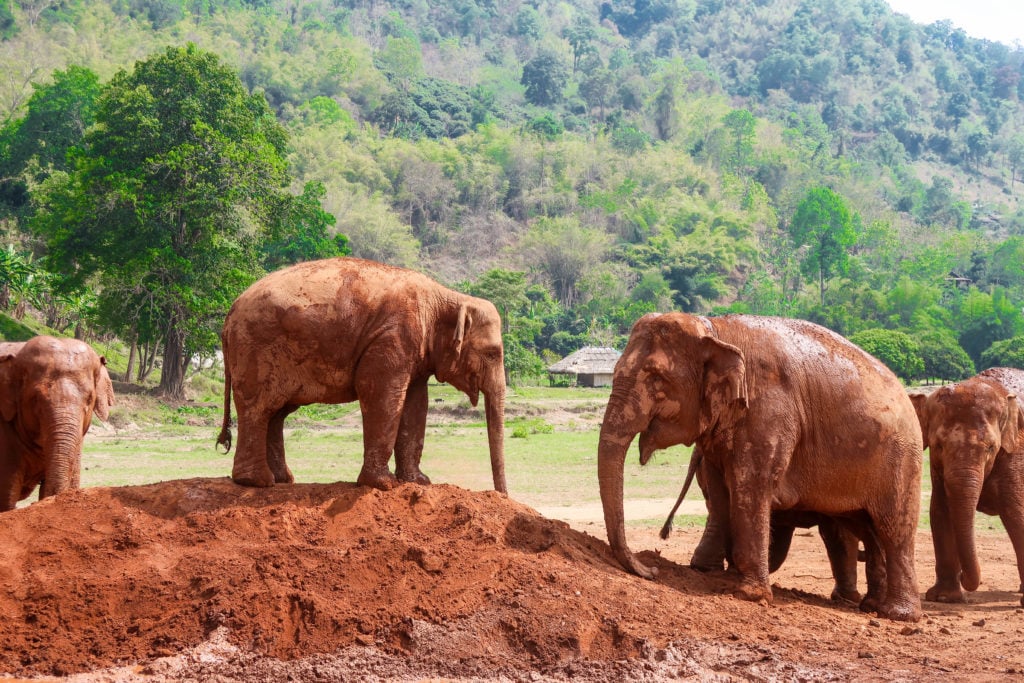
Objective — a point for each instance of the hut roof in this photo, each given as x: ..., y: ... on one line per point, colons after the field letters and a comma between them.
x: 588, y: 360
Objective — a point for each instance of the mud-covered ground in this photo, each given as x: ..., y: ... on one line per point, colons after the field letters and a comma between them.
x: 200, y: 579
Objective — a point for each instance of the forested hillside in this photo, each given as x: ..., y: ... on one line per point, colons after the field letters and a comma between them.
x: 580, y: 163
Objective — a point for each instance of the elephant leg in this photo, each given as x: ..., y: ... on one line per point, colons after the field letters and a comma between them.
x: 10, y: 488
x: 715, y: 545
x: 409, y: 444
x: 749, y: 522
x: 275, y: 446
x: 842, y: 546
x: 947, y: 560
x: 381, y: 401
x: 778, y: 546
x: 250, y: 466
x: 874, y: 569
x: 896, y: 539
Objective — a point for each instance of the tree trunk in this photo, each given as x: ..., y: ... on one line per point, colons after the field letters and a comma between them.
x: 131, y: 359
x: 172, y: 375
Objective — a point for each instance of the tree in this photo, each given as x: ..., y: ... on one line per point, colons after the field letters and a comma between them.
x: 896, y: 349
x: 168, y: 202
x: 943, y: 357
x: 56, y: 119
x: 1007, y: 353
x: 544, y: 77
x: 823, y: 223
x: 564, y: 251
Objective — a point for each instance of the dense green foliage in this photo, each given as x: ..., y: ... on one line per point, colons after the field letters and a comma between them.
x: 579, y: 162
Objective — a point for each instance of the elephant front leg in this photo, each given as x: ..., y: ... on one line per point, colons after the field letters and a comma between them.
x: 750, y: 515
x: 411, y: 430
x: 947, y: 559
x: 1012, y: 516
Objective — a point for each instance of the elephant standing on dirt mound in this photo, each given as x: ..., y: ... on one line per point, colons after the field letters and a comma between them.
x: 345, y: 329
x: 789, y: 416
x: 974, y: 431
x: 49, y: 390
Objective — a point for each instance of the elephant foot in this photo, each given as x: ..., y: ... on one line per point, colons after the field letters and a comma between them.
x: 941, y: 593
x: 415, y: 477
x: 385, y: 481
x: 259, y: 478
x: 284, y: 477
x: 900, y: 611
x: 706, y: 566
x: 849, y: 595
x: 752, y: 592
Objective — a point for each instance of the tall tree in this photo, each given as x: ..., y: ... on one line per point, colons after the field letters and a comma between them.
x: 823, y: 223
x: 168, y: 202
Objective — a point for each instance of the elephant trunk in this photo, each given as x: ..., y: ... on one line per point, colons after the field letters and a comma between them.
x: 611, y: 458
x: 63, y: 455
x: 963, y: 495
x: 494, y: 408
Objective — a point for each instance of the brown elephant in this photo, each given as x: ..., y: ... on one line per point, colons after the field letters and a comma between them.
x: 974, y: 433
x: 789, y: 416
x: 714, y: 551
x: 50, y: 389
x: 345, y: 329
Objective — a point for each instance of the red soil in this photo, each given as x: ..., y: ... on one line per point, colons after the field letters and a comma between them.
x: 199, y: 578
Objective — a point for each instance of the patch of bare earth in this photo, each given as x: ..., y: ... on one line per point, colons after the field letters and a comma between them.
x: 200, y: 579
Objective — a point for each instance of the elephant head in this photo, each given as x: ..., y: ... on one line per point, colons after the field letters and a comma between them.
x: 472, y: 360
x: 673, y: 382
x: 966, y: 427
x: 52, y: 387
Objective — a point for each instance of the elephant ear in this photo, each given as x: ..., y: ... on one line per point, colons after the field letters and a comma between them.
x: 724, y: 393
x: 10, y: 387
x: 920, y: 402
x: 462, y: 326
x: 104, y: 391
x: 1012, y: 425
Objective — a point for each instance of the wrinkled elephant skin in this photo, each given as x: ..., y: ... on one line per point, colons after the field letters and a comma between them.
x: 49, y: 390
x: 345, y: 329
x: 790, y: 416
x: 974, y: 433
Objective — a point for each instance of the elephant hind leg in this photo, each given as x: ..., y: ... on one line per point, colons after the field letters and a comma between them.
x: 902, y: 601
x: 411, y: 430
x: 250, y: 466
x: 275, y: 446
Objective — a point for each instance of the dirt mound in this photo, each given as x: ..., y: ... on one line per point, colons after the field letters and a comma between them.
x: 200, y: 578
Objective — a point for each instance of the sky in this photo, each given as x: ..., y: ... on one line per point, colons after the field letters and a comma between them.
x: 998, y: 20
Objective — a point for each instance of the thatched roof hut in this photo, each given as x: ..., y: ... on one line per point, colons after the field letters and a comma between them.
x: 593, y: 366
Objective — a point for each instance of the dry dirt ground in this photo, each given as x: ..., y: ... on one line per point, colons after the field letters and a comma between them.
x: 202, y: 580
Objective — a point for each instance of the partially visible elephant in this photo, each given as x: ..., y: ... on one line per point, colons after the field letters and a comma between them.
x: 345, y: 329
x: 49, y: 390
x: 974, y: 433
x: 714, y: 551
x: 789, y: 416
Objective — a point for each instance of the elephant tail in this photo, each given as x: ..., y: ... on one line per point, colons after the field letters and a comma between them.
x: 224, y: 439
x: 695, y: 459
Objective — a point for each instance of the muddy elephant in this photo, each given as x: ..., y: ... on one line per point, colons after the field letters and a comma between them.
x: 49, y: 390
x: 789, y: 416
x: 345, y: 329
x: 842, y: 543
x: 974, y: 433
